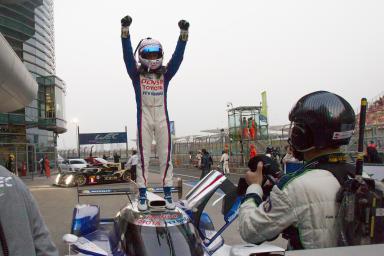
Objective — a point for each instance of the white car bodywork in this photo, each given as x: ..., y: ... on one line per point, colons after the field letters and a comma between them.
x: 72, y: 165
x: 101, y: 160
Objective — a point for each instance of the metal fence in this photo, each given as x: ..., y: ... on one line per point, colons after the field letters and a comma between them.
x: 239, y: 154
x: 184, y: 150
x: 85, y: 152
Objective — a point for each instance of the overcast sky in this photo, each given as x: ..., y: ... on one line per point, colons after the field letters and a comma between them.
x: 236, y: 50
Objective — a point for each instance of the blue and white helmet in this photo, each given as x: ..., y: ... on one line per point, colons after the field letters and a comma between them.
x: 150, y: 53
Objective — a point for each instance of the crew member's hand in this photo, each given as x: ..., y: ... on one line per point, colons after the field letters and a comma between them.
x: 126, y: 21
x: 183, y: 25
x: 255, y: 177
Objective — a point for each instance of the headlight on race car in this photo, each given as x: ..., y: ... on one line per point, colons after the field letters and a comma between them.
x: 57, y: 180
x: 69, y: 180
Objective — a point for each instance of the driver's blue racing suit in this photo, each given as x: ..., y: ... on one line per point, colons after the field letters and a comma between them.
x: 152, y: 114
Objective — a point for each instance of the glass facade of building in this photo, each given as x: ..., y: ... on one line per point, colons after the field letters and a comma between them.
x: 28, y: 27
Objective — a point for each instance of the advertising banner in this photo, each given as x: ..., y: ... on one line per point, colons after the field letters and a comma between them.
x: 264, y: 105
x: 263, y: 119
x: 102, y: 138
x: 172, y: 127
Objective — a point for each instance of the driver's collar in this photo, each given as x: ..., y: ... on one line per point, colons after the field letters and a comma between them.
x: 332, y: 158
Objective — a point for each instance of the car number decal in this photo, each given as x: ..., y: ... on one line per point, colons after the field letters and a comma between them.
x: 159, y: 219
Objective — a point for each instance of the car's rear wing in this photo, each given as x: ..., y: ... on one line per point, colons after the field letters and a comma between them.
x: 127, y: 191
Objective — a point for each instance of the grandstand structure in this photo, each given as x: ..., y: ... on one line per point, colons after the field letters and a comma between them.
x: 374, y: 124
x: 246, y: 125
x: 375, y: 111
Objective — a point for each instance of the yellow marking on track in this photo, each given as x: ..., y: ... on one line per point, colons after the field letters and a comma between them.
x: 42, y: 187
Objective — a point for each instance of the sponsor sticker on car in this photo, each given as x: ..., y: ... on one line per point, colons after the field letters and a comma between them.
x: 157, y: 220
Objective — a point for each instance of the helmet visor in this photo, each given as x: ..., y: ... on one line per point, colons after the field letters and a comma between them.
x: 300, y: 137
x: 151, y: 52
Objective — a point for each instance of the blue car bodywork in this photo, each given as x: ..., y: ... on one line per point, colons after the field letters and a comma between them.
x: 158, y: 231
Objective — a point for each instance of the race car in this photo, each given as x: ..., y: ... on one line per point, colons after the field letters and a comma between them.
x: 187, y: 230
x: 93, y: 175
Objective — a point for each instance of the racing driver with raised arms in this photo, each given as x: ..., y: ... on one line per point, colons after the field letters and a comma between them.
x: 150, y: 81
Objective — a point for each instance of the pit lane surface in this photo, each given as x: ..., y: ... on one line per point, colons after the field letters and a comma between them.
x: 56, y: 204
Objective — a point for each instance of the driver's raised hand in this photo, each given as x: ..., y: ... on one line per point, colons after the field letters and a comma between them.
x: 184, y: 26
x: 125, y: 23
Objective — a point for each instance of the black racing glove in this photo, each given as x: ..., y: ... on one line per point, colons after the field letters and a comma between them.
x: 125, y: 23
x: 184, y: 26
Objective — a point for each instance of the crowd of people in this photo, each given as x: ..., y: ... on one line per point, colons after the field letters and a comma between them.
x: 15, y: 168
x: 249, y: 128
x: 372, y: 155
x: 44, y: 164
x: 204, y: 160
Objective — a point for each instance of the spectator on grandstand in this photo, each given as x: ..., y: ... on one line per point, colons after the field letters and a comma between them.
x: 116, y: 158
x: 372, y: 155
x: 224, y: 161
x: 381, y: 101
x: 198, y: 158
x: 132, y: 162
x: 206, y: 163
x: 372, y: 144
x: 190, y: 158
x: 252, y: 151
x: 42, y: 165
x: 269, y: 151
x: 10, y: 164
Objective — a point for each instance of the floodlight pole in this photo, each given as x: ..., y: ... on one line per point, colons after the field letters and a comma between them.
x: 360, y: 146
x: 78, y: 140
x: 126, y: 143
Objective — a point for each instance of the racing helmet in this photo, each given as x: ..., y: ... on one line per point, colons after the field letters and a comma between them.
x: 150, y: 53
x: 321, y: 120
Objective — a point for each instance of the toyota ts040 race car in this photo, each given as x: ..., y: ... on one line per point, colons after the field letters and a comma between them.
x: 93, y: 175
x: 186, y: 231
